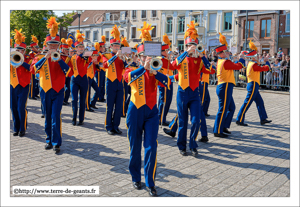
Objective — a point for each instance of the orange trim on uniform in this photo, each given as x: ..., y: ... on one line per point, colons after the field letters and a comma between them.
x: 203, y: 94
x: 223, y: 108
x: 248, y: 102
x: 154, y: 170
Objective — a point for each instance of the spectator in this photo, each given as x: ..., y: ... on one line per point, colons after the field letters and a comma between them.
x: 277, y: 77
x: 214, y: 56
x: 264, y: 54
x: 177, y: 50
x: 275, y: 55
x: 181, y: 51
x: 279, y: 54
x: 286, y: 73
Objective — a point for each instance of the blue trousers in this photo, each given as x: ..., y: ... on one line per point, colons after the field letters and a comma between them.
x: 138, y: 121
x: 52, y: 102
x: 18, y: 104
x: 226, y: 107
x: 205, y: 97
x: 174, y: 124
x: 114, y: 100
x: 164, y: 102
x: 100, y: 80
x: 252, y: 95
x: 33, y: 85
x: 128, y: 98
x: 67, y: 89
x: 79, y: 84
x: 92, y: 84
x: 188, y: 100
x: 125, y: 94
x: 42, y: 101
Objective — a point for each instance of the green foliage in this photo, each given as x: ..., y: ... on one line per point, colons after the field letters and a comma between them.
x: 34, y: 22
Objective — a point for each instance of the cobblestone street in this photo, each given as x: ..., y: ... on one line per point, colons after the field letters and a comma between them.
x: 253, y: 162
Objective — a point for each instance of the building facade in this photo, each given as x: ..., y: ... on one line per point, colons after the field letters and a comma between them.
x: 262, y: 30
x: 284, y: 31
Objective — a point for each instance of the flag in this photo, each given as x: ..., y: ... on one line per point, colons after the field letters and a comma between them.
x: 70, y: 35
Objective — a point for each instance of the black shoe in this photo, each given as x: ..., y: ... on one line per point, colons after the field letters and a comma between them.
x: 165, y: 124
x: 137, y: 185
x: 37, y: 96
x: 21, y: 134
x: 15, y: 133
x: 90, y: 110
x: 265, y: 121
x: 169, y: 132
x: 94, y: 107
x: 152, y: 191
x: 65, y: 103
x: 42, y: 116
x: 241, y: 124
x: 74, y: 122
x: 183, y: 152
x: 117, y: 131
x: 48, y: 146
x: 123, y: 116
x: 194, y: 152
x: 111, y: 132
x: 220, y: 135
x: 80, y: 123
x: 203, y: 139
x: 56, y: 149
x: 102, y: 100
x: 226, y: 131
x: 207, y: 115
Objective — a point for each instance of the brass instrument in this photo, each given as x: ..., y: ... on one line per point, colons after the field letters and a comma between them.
x: 199, y: 48
x: 156, y: 64
x: 55, y: 56
x: 16, y: 59
x: 129, y: 60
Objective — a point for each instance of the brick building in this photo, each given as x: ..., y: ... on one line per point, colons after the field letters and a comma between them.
x: 262, y: 30
x: 284, y: 31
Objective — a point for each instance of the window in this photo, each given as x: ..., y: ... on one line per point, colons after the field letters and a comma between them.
x: 87, y: 34
x: 265, y: 28
x: 123, y: 14
x: 133, y: 14
x: 122, y: 33
x: 85, y: 19
x: 95, y: 36
x: 287, y: 24
x: 227, y: 21
x: 181, y: 22
x: 212, y: 22
x: 107, y: 16
x: 153, y: 13
x: 144, y: 14
x: 195, y: 18
x: 250, y: 29
x: 169, y: 24
x: 153, y: 32
x: 266, y: 48
x: 107, y: 36
x: 133, y: 32
x: 181, y: 45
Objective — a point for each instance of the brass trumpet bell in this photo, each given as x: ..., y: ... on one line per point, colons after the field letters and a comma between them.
x: 55, y: 56
x: 156, y: 64
x: 199, y: 48
x: 16, y: 59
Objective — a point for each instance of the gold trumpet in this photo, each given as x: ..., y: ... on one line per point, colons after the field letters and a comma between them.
x: 16, y: 59
x: 156, y: 64
x: 55, y: 56
x: 129, y: 60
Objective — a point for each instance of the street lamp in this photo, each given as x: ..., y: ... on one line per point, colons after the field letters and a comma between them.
x: 79, y: 12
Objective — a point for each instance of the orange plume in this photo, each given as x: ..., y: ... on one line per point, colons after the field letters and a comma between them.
x: 18, y: 36
x: 52, y: 25
x: 124, y: 42
x: 23, y: 38
x: 34, y: 39
x: 103, y: 38
x: 191, y: 31
x: 45, y: 43
x: 10, y: 42
x: 166, y: 39
x: 222, y: 39
x: 63, y: 40
x: 79, y: 36
x: 145, y: 35
x: 69, y: 42
x: 115, y: 32
x: 97, y: 46
x: 252, y: 46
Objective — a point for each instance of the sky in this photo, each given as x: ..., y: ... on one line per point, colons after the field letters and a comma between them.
x: 59, y: 13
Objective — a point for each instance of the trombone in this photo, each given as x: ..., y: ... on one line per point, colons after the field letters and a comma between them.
x: 16, y: 59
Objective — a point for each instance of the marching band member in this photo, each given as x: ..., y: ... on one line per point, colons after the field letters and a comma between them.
x: 114, y: 87
x: 52, y: 80
x: 142, y: 116
x: 188, y: 96
x: 165, y: 96
x: 34, y: 89
x: 79, y: 80
x: 226, y: 81
x: 19, y: 87
x: 253, y: 76
x: 124, y: 43
x: 92, y: 83
x: 68, y: 52
x: 100, y: 75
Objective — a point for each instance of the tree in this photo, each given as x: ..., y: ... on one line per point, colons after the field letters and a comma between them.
x: 32, y: 22
x: 66, y: 19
